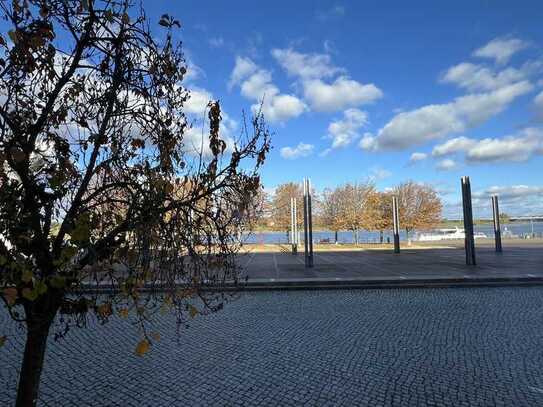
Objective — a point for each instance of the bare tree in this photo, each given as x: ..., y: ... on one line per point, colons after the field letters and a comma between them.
x: 97, y: 185
x: 419, y: 206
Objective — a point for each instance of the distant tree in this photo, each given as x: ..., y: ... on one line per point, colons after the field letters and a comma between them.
x: 330, y: 211
x: 419, y: 206
x: 281, y: 205
x: 383, y: 216
x: 357, y: 205
x: 504, y: 217
x: 96, y: 182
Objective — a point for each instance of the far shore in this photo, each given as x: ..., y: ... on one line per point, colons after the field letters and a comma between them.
x: 443, y: 244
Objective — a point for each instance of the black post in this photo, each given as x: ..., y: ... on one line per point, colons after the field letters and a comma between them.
x: 310, y: 222
x: 306, y: 246
x: 497, y: 229
x: 469, y: 241
x: 396, y: 224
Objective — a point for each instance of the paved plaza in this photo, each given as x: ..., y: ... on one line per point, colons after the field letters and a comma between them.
x: 523, y: 262
x: 396, y: 347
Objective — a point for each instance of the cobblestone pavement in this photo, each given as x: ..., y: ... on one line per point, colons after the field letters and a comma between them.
x: 403, y: 347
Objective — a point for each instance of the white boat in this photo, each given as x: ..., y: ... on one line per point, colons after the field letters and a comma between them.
x: 447, y: 234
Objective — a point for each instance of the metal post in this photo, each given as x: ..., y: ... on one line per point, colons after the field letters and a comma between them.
x: 497, y: 229
x: 469, y: 241
x: 294, y: 228
x: 396, y: 224
x: 310, y: 222
x: 306, y: 246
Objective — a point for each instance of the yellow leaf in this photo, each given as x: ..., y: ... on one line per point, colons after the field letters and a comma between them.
x: 29, y: 294
x: 13, y: 36
x: 143, y: 347
x: 104, y: 310
x: 10, y: 294
x: 123, y: 312
x: 3, y: 340
x: 155, y: 336
x: 26, y: 277
x: 40, y: 288
x: 192, y: 311
x: 58, y: 282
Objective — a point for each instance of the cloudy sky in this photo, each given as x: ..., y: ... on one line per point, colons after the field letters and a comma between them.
x: 427, y: 91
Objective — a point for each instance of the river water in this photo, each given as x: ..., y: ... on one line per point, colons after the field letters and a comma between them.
x: 519, y: 229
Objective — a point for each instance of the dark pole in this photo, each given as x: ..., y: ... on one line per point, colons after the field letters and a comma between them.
x: 497, y: 230
x: 306, y: 247
x: 396, y: 224
x: 310, y: 222
x: 469, y: 242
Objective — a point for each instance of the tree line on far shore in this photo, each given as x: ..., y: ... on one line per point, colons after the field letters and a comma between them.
x: 354, y: 207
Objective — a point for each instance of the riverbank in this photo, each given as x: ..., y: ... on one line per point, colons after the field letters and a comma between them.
x: 443, y: 244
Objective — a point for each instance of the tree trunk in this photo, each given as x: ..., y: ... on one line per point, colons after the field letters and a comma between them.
x: 29, y: 378
x: 335, y: 237
x: 381, y: 236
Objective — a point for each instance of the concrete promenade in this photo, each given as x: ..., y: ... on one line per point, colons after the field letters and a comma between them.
x: 522, y: 262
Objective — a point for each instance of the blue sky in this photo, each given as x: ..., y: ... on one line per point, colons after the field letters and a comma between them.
x: 392, y: 91
x: 427, y: 91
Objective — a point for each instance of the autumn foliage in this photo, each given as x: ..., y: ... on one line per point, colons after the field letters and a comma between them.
x: 97, y: 185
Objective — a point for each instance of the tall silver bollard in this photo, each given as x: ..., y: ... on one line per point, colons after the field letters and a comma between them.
x: 396, y: 224
x: 497, y: 230
x: 296, y: 237
x: 292, y: 222
x: 469, y: 241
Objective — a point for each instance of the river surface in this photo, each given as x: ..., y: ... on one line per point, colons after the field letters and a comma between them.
x: 520, y: 229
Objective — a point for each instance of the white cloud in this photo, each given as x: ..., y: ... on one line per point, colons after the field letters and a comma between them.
x: 476, y: 77
x: 311, y: 69
x: 340, y: 94
x: 301, y: 150
x: 512, y: 191
x: 345, y: 130
x: 216, y: 42
x: 305, y: 66
x: 196, y: 140
x: 418, y: 157
x: 256, y: 84
x: 280, y: 108
x: 514, y: 199
x: 512, y: 148
x: 378, y: 174
x: 538, y: 101
x: 197, y: 103
x: 368, y: 142
x: 501, y: 49
x: 433, y: 122
x: 336, y: 11
x: 242, y: 69
x: 446, y: 164
x: 452, y: 146
x: 516, y: 148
